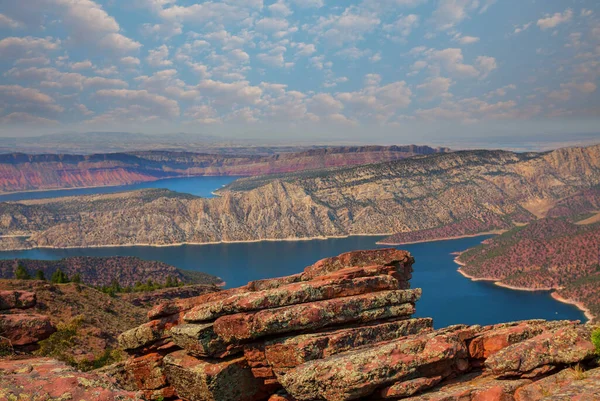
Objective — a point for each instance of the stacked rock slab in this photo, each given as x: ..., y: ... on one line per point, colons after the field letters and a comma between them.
x: 342, y: 330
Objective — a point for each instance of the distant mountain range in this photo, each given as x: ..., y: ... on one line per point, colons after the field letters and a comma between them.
x: 25, y: 172
x: 420, y: 198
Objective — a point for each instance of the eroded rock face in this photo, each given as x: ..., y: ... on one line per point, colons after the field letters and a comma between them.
x: 17, y: 300
x: 342, y: 330
x: 48, y: 379
x: 23, y: 329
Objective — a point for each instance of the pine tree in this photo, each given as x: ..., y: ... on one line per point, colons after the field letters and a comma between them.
x: 76, y: 278
x: 39, y: 275
x: 21, y: 273
x: 59, y: 277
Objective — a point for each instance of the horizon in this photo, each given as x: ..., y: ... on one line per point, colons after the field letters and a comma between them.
x: 281, y: 70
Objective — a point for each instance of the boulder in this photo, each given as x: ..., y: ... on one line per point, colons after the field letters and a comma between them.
x: 292, y: 351
x: 212, y: 380
x: 23, y: 329
x: 17, y: 300
x: 386, y: 257
x: 200, y: 340
x: 315, y: 315
x: 355, y: 374
x: 565, y: 345
x: 148, y: 333
x: 47, y: 379
x: 146, y: 372
x: 291, y: 294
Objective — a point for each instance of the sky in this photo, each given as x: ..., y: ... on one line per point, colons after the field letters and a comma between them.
x: 386, y: 70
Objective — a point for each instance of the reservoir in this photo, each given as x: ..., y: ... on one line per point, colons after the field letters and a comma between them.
x: 448, y: 297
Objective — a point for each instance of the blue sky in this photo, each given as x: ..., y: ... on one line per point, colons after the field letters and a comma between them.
x: 391, y: 70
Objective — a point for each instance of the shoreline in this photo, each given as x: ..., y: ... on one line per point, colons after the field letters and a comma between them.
x: 495, y: 232
x: 552, y: 290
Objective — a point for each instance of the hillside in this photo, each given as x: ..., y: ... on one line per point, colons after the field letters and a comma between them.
x: 423, y: 198
x: 95, y: 271
x: 547, y: 254
x: 22, y: 172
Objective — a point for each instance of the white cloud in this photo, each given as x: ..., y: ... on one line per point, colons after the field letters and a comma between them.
x: 308, y: 3
x: 324, y: 103
x: 84, y: 110
x: 552, y: 21
x: 403, y: 26
x: 52, y: 78
x: 280, y: 9
x: 203, y: 114
x: 26, y: 99
x: 159, y: 57
x: 522, y: 28
x: 130, y: 61
x: 82, y: 65
x: 156, y: 105
x: 19, y: 47
x: 304, y: 49
x: 452, y: 60
x: 350, y: 26
x: 274, y: 57
x: 9, y: 22
x: 21, y: 118
x: 227, y: 93
x: 467, y: 40
x: 485, y: 65
x: 435, y: 88
x: 450, y: 13
x: 583, y: 87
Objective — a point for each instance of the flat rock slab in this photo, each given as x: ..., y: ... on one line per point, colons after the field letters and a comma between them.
x: 566, y: 385
x: 290, y: 352
x: 291, y: 294
x: 22, y: 329
x: 316, y: 315
x: 47, y: 379
x: 388, y: 256
x: 355, y: 374
x: 201, y: 340
x: 473, y: 387
x: 495, y: 338
x: 183, y: 305
x: 146, y: 372
x: 565, y: 345
x: 212, y: 380
x: 17, y: 300
x: 148, y: 333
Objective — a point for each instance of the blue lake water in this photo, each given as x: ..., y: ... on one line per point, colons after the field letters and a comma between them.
x: 448, y: 297
x: 199, y: 186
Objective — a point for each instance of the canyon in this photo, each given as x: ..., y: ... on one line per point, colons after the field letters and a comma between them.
x: 26, y: 172
x: 416, y: 199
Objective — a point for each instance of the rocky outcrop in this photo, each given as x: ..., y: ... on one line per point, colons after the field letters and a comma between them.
x: 342, y: 330
x: 17, y: 300
x: 25, y: 329
x: 48, y: 379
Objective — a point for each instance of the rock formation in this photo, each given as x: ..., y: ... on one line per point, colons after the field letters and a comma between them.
x: 342, y: 330
x: 19, y: 327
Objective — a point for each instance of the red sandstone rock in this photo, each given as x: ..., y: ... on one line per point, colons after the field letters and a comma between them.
x: 291, y: 294
x: 212, y: 380
x: 281, y: 397
x: 293, y: 351
x: 355, y: 374
x: 182, y: 305
x: 473, y: 387
x: 146, y: 372
x: 315, y: 315
x: 407, y: 388
x: 495, y: 338
x: 23, y: 329
x: 569, y: 384
x: 200, y: 340
x: 270, y: 283
x: 17, y: 300
x: 389, y: 256
x: 148, y: 333
x: 47, y: 379
x: 565, y: 345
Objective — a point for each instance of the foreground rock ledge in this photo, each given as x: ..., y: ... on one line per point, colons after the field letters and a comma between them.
x: 343, y: 330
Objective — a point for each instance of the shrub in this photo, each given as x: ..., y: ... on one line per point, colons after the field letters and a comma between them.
x: 60, y: 343
x: 596, y: 340
x: 39, y: 275
x: 21, y: 273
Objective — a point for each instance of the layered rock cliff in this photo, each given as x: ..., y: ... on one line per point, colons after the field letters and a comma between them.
x: 421, y: 198
x: 341, y: 331
x: 21, y: 172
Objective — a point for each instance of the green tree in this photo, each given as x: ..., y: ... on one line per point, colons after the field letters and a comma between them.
x: 21, y: 273
x: 76, y: 278
x: 39, y: 275
x: 596, y: 340
x: 59, y: 277
x: 169, y: 283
